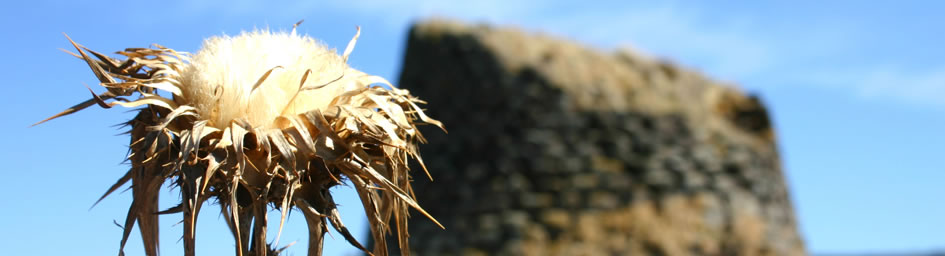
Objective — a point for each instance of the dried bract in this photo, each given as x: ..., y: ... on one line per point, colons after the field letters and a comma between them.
x: 263, y: 119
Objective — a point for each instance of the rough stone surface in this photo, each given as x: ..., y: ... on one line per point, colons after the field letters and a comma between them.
x: 557, y: 149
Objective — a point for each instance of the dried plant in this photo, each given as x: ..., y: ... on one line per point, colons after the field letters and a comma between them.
x: 263, y: 119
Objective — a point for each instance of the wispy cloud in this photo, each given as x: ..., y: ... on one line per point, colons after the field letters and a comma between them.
x: 753, y: 50
x: 665, y: 30
x: 913, y: 86
x: 673, y: 32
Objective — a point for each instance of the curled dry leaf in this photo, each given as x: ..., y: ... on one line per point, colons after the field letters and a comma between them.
x: 257, y: 120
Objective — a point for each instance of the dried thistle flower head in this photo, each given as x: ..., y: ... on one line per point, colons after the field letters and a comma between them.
x: 236, y: 64
x: 257, y: 120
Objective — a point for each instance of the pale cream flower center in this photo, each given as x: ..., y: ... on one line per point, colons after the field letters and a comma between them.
x: 220, y: 78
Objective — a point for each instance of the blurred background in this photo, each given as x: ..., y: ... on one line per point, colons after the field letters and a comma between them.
x: 856, y: 92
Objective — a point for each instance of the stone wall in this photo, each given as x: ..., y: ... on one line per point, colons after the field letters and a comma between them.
x: 557, y: 149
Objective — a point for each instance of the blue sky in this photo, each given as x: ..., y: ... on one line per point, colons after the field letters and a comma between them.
x: 856, y: 91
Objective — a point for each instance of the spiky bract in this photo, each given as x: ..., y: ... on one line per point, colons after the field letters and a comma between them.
x: 261, y: 120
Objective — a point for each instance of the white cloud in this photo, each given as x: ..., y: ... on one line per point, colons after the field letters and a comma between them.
x: 924, y: 87
x: 727, y: 46
x: 664, y: 30
x: 672, y: 32
x: 754, y: 51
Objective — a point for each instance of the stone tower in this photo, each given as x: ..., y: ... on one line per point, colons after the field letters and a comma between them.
x: 557, y: 149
